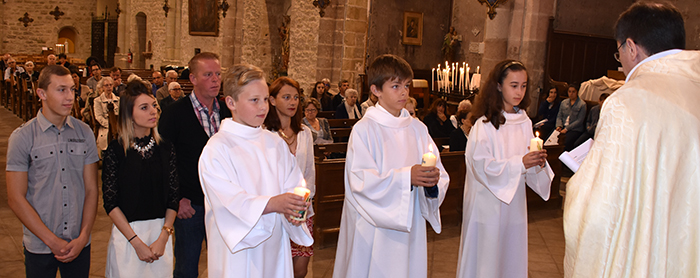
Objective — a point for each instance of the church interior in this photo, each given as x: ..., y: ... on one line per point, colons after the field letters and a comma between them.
x: 560, y: 42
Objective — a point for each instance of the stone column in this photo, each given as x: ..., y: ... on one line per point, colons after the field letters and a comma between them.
x: 255, y: 42
x: 303, y: 42
x: 496, y: 36
x: 354, y: 41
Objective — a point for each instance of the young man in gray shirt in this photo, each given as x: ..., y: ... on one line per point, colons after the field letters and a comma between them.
x: 52, y: 182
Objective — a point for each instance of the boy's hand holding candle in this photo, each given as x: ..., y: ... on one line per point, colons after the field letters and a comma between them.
x: 426, y: 174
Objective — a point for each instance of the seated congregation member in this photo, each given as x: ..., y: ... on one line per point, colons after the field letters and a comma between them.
x: 370, y: 102
x: 96, y: 72
x: 458, y: 137
x: 31, y: 75
x: 101, y: 107
x: 389, y: 196
x: 464, y: 105
x: 549, y: 109
x: 247, y: 175
x: 116, y: 74
x: 494, y: 230
x: 326, y: 98
x: 592, y: 121
x: 163, y: 92
x: 571, y: 117
x: 140, y: 190
x: 175, y: 91
x: 437, y: 120
x: 157, y: 83
x: 349, y: 109
x: 317, y: 90
x: 320, y: 128
x: 410, y: 106
x: 82, y: 92
x: 63, y: 60
x: 54, y: 195
x: 343, y: 86
x: 51, y: 60
x: 284, y: 118
x: 13, y: 71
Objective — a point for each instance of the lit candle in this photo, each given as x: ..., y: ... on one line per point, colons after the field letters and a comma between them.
x: 429, y: 159
x: 477, y: 69
x: 304, y: 193
x: 432, y: 80
x: 536, y: 143
x: 438, y: 78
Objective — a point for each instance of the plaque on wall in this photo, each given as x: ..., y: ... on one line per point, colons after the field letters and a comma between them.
x: 204, y: 18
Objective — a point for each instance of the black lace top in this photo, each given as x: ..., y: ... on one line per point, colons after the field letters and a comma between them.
x: 144, y: 185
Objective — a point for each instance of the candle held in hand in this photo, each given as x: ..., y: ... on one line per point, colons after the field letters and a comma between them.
x: 536, y: 143
x: 304, y: 193
x: 429, y: 159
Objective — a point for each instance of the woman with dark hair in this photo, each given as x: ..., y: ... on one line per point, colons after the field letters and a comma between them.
x: 437, y: 120
x: 285, y: 119
x: 548, y: 111
x: 140, y: 190
x: 494, y: 230
x: 325, y: 97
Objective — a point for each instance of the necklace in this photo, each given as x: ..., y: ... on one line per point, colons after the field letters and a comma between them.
x: 286, y: 138
x: 144, y: 149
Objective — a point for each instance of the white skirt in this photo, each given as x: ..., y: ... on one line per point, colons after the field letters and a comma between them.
x: 122, y: 260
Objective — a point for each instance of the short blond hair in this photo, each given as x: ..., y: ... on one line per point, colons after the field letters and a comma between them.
x: 238, y: 76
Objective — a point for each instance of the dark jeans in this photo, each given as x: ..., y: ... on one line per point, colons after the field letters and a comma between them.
x: 46, y: 265
x: 582, y: 139
x: 189, y: 234
x: 570, y: 139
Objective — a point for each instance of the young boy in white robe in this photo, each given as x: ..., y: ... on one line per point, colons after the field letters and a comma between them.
x: 494, y: 224
x: 247, y: 173
x: 388, y: 194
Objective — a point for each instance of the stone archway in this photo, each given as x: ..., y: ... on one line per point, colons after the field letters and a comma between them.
x: 141, y: 23
x: 69, y: 36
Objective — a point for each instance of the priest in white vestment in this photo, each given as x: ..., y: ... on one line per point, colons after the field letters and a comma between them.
x: 633, y: 207
x: 383, y: 226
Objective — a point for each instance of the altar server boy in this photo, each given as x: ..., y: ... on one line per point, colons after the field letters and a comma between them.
x: 246, y: 174
x: 388, y: 194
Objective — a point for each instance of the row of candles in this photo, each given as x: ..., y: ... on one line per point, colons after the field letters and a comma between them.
x: 454, y: 77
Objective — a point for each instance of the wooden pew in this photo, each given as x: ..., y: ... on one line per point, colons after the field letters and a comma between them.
x: 326, y: 114
x: 330, y: 194
x: 340, y: 134
x: 321, y: 149
x: 3, y: 94
x: 342, y: 123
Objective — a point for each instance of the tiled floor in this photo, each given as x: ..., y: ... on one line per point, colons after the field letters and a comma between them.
x: 546, y: 236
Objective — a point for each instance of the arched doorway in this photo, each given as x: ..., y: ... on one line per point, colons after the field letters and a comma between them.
x: 141, y: 41
x: 68, y: 36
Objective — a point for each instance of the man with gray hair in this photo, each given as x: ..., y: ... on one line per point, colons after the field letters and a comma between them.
x: 175, y: 91
x: 163, y: 92
x: 632, y: 208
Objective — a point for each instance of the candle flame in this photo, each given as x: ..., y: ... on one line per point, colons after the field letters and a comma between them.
x: 303, y: 183
x: 430, y: 147
x: 537, y: 133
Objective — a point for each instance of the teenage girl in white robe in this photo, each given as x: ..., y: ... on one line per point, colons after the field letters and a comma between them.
x: 499, y: 164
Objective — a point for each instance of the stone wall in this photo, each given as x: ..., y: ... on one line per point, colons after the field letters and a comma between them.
x: 330, y: 43
x: 303, y: 41
x: 386, y: 27
x: 469, y: 19
x: 43, y: 31
x: 155, y: 32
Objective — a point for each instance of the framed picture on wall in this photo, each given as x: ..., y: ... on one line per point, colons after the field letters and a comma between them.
x: 412, y: 28
x: 204, y: 18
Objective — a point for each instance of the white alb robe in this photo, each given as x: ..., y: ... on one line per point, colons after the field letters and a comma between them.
x: 494, y: 223
x: 305, y: 159
x: 633, y: 208
x: 383, y: 225
x: 240, y: 169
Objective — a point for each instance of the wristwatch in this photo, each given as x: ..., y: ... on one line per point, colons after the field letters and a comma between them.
x: 170, y: 230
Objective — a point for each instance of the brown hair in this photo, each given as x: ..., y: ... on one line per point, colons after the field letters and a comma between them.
x: 115, y: 69
x: 388, y: 67
x: 194, y: 62
x: 314, y: 93
x: 489, y: 102
x: 272, y: 121
x: 238, y: 76
x: 311, y: 101
x: 48, y: 71
x: 127, y: 100
x: 437, y: 103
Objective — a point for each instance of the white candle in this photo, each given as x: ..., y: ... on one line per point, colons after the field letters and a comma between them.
x: 432, y: 80
x: 438, y: 78
x: 536, y: 143
x: 477, y: 69
x: 429, y: 159
x: 304, y: 193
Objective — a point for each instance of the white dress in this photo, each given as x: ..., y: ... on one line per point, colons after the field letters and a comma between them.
x: 383, y: 225
x: 305, y: 160
x: 240, y: 169
x: 494, y: 223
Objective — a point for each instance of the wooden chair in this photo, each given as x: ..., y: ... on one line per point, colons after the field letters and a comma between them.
x: 342, y: 123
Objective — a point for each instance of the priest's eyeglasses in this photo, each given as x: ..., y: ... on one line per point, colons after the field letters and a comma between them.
x: 617, y: 53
